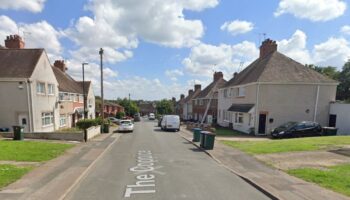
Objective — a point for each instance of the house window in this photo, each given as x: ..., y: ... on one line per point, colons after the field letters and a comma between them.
x: 63, y: 120
x: 239, y: 118
x: 81, y: 98
x: 51, y: 89
x: 40, y: 88
x: 76, y: 98
x: 225, y: 93
x: 232, y: 92
x: 61, y: 96
x: 250, y: 119
x: 241, y: 92
x: 47, y: 118
x: 71, y: 97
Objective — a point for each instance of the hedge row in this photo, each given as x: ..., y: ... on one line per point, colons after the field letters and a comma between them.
x: 87, y: 123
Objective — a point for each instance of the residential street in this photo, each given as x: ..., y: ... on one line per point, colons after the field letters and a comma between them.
x: 152, y: 164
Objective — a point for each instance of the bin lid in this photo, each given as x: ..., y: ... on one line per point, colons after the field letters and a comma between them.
x: 330, y: 128
x: 207, y: 133
x: 197, y: 129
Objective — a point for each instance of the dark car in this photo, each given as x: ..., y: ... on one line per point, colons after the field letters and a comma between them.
x: 297, y: 129
x: 137, y: 117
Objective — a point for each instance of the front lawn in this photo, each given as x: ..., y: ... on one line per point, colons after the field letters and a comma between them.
x: 289, y: 145
x: 10, y: 173
x: 220, y: 131
x: 30, y: 150
x: 336, y: 178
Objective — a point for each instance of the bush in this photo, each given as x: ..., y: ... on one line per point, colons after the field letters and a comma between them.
x: 87, y: 123
x: 120, y: 115
x: 99, y: 121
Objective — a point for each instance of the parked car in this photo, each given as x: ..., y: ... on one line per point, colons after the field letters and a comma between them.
x: 113, y: 120
x: 160, y: 120
x: 137, y: 117
x: 297, y: 129
x: 151, y: 116
x: 126, y: 126
x: 170, y: 122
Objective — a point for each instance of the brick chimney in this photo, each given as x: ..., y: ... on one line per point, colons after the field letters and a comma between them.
x: 173, y: 99
x: 190, y: 92
x: 182, y: 96
x: 267, y: 47
x: 60, y: 65
x: 218, y: 75
x: 235, y: 74
x: 197, y: 87
x: 14, y: 42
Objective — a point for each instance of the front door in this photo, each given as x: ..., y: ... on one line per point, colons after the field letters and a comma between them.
x: 262, y: 124
x: 23, y: 121
x: 332, y: 120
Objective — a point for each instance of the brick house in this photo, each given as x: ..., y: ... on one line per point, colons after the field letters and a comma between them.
x: 29, y: 89
x: 273, y: 90
x: 188, y: 106
x: 208, y: 95
x: 179, y: 106
x: 111, y: 109
x: 147, y: 107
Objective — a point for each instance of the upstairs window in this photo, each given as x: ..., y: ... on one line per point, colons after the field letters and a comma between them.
x: 40, y: 88
x: 241, y: 92
x: 51, y: 89
x: 225, y: 93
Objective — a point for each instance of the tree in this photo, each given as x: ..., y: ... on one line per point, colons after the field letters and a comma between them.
x: 343, y: 92
x: 329, y: 71
x: 120, y: 115
x: 165, y: 107
x: 130, y: 107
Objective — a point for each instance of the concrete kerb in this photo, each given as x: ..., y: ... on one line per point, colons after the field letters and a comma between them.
x: 249, y: 181
x: 77, y: 181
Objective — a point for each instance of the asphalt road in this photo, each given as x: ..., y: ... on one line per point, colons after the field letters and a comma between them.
x: 152, y: 164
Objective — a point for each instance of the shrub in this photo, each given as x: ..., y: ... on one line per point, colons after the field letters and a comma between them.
x: 87, y: 123
x: 99, y: 121
x: 120, y: 115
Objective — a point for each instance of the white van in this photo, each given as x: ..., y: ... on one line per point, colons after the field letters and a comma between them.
x: 151, y: 116
x: 170, y: 122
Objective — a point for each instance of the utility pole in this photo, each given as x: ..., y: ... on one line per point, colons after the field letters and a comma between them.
x: 129, y: 106
x: 102, y: 100
x: 84, y: 94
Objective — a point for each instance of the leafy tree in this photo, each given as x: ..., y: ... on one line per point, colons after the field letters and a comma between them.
x: 329, y: 71
x: 343, y: 92
x: 165, y: 107
x: 130, y: 107
x: 120, y: 115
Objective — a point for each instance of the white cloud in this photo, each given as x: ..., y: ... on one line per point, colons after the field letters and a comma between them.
x: 237, y: 27
x: 204, y: 59
x: 36, y: 35
x: 174, y: 74
x: 345, y: 29
x: 314, y: 10
x: 199, y: 5
x: 30, y: 5
x: 334, y: 52
x: 295, y: 47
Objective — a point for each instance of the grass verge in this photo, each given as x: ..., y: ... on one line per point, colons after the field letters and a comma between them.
x: 336, y: 178
x: 220, y: 131
x: 30, y: 150
x: 10, y: 173
x: 290, y: 145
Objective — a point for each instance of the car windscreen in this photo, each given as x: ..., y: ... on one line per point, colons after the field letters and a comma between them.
x: 288, y: 125
x: 125, y: 122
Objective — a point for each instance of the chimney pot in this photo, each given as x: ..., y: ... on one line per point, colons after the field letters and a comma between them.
x: 190, y: 92
x: 182, y: 96
x: 14, y: 42
x: 235, y: 74
x: 197, y: 87
x: 218, y: 75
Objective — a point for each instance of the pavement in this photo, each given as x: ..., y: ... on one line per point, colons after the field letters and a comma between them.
x: 276, y: 183
x: 55, y: 178
x: 153, y: 164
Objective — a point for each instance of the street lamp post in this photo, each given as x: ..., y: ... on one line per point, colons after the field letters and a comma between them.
x: 84, y: 94
x: 102, y: 101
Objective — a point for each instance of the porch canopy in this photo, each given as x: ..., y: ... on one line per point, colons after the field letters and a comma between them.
x: 242, y: 108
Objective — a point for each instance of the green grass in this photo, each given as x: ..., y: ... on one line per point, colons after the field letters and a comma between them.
x: 30, y: 150
x: 226, y: 132
x: 289, y: 145
x: 335, y: 178
x: 10, y: 173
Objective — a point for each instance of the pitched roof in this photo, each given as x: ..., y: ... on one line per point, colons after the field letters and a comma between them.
x: 215, y: 84
x: 67, y: 83
x: 277, y: 67
x: 18, y: 63
x: 86, y: 84
x: 191, y: 96
x: 241, y: 107
x: 108, y: 103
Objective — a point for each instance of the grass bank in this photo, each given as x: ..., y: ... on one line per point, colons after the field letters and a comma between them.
x: 335, y: 178
x: 10, y: 173
x: 290, y: 145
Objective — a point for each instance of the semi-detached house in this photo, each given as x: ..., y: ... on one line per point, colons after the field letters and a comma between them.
x: 187, y: 109
x: 273, y: 90
x: 29, y: 89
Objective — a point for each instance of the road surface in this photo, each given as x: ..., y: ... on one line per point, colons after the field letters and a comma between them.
x: 157, y: 165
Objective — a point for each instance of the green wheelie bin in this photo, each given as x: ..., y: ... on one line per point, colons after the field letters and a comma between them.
x: 18, y: 133
x: 208, y: 140
x: 196, y: 134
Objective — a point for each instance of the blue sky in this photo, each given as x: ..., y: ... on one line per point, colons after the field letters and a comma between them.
x: 160, y: 48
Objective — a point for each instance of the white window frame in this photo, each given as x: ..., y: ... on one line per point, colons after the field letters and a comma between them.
x: 81, y: 98
x: 76, y: 98
x: 46, y: 117
x: 225, y: 93
x: 241, y: 91
x: 71, y: 97
x: 40, y: 88
x: 63, y: 120
x: 50, y: 89
x: 239, y: 118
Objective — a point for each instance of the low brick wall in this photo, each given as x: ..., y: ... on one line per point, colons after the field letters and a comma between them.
x: 93, y: 132
x: 204, y: 127
x: 68, y: 136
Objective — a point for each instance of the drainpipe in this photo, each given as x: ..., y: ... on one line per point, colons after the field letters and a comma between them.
x: 256, y: 121
x: 29, y: 102
x: 316, y: 103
